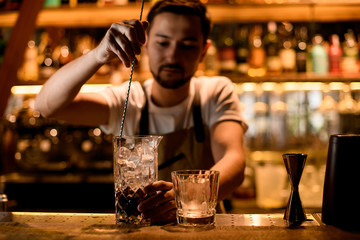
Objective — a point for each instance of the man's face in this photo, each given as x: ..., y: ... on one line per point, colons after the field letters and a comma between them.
x: 175, y: 47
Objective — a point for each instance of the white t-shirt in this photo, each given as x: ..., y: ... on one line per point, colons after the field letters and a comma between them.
x: 218, y: 99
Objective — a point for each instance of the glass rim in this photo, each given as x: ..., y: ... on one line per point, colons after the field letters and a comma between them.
x: 195, y: 171
x: 294, y: 154
x: 136, y: 136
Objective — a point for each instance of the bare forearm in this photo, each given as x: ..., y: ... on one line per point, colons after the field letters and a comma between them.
x: 65, y: 84
x: 227, y: 149
x: 122, y: 40
x: 231, y: 174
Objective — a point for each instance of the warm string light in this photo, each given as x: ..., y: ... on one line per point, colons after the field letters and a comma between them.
x: 35, y: 89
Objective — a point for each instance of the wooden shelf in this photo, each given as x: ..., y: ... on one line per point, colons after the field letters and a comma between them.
x: 236, y: 78
x: 298, y: 77
x: 93, y: 16
x: 319, y: 12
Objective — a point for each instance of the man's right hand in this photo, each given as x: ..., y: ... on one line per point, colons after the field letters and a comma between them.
x: 60, y: 97
x: 122, y: 40
x: 160, y: 207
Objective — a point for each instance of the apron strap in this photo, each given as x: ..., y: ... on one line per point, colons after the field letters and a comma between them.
x: 198, y: 123
x: 170, y: 161
x: 196, y: 108
x: 144, y: 118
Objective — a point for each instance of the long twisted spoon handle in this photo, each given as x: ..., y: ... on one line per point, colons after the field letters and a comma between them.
x: 131, y: 75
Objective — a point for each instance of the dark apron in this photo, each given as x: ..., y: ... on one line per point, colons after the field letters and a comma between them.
x: 183, y: 149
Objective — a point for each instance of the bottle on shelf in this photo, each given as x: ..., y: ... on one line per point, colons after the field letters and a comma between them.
x: 62, y: 54
x: 83, y: 44
x: 261, y: 118
x: 335, y: 54
x: 301, y: 48
x: 242, y: 49
x: 278, y: 118
x: 358, y: 37
x: 86, y: 1
x: 257, y: 52
x: 30, y: 68
x: 328, y: 107
x: 347, y: 108
x: 211, y: 61
x: 2, y: 46
x: 319, y: 55
x: 296, y: 116
x: 72, y: 3
x: 351, y: 53
x: 271, y: 44
x: 52, y: 3
x: 287, y: 52
x: 10, y: 5
x: 226, y: 50
x: 48, y: 65
x: 102, y: 3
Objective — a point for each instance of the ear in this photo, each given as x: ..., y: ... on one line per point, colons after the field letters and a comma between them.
x: 206, y: 47
x: 145, y: 46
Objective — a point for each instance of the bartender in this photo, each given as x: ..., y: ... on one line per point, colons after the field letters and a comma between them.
x: 199, y: 117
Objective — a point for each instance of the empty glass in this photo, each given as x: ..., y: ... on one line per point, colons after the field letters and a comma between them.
x: 196, y: 193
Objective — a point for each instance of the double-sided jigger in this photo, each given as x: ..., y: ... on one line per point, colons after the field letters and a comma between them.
x: 294, y: 163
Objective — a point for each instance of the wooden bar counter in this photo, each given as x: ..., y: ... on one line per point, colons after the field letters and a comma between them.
x: 36, y: 225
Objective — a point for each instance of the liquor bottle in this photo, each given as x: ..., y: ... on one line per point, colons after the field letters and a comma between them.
x: 335, y: 54
x: 211, y: 61
x: 102, y: 3
x: 271, y: 44
x: 347, y: 108
x: 83, y: 44
x: 226, y: 50
x: 30, y: 68
x: 2, y: 47
x: 65, y: 2
x: 287, y: 52
x: 351, y: 54
x: 2, y: 5
x: 72, y: 3
x: 329, y: 109
x: 52, y: 3
x: 62, y: 54
x: 47, y: 66
x: 257, y: 52
x: 242, y: 49
x: 261, y: 118
x: 12, y: 5
x: 320, y: 58
x: 301, y: 34
x: 278, y: 118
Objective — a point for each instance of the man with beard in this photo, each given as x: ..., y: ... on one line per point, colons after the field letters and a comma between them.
x: 199, y: 117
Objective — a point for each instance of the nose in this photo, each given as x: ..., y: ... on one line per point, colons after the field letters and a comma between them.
x: 173, y: 53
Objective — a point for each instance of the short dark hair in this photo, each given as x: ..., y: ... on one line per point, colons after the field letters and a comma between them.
x: 183, y: 7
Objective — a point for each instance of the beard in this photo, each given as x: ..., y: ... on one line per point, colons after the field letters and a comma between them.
x: 171, y: 82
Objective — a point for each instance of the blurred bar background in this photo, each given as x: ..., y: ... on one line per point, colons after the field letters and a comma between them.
x: 294, y: 64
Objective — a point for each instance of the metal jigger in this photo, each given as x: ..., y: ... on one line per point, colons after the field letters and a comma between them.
x: 294, y: 163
